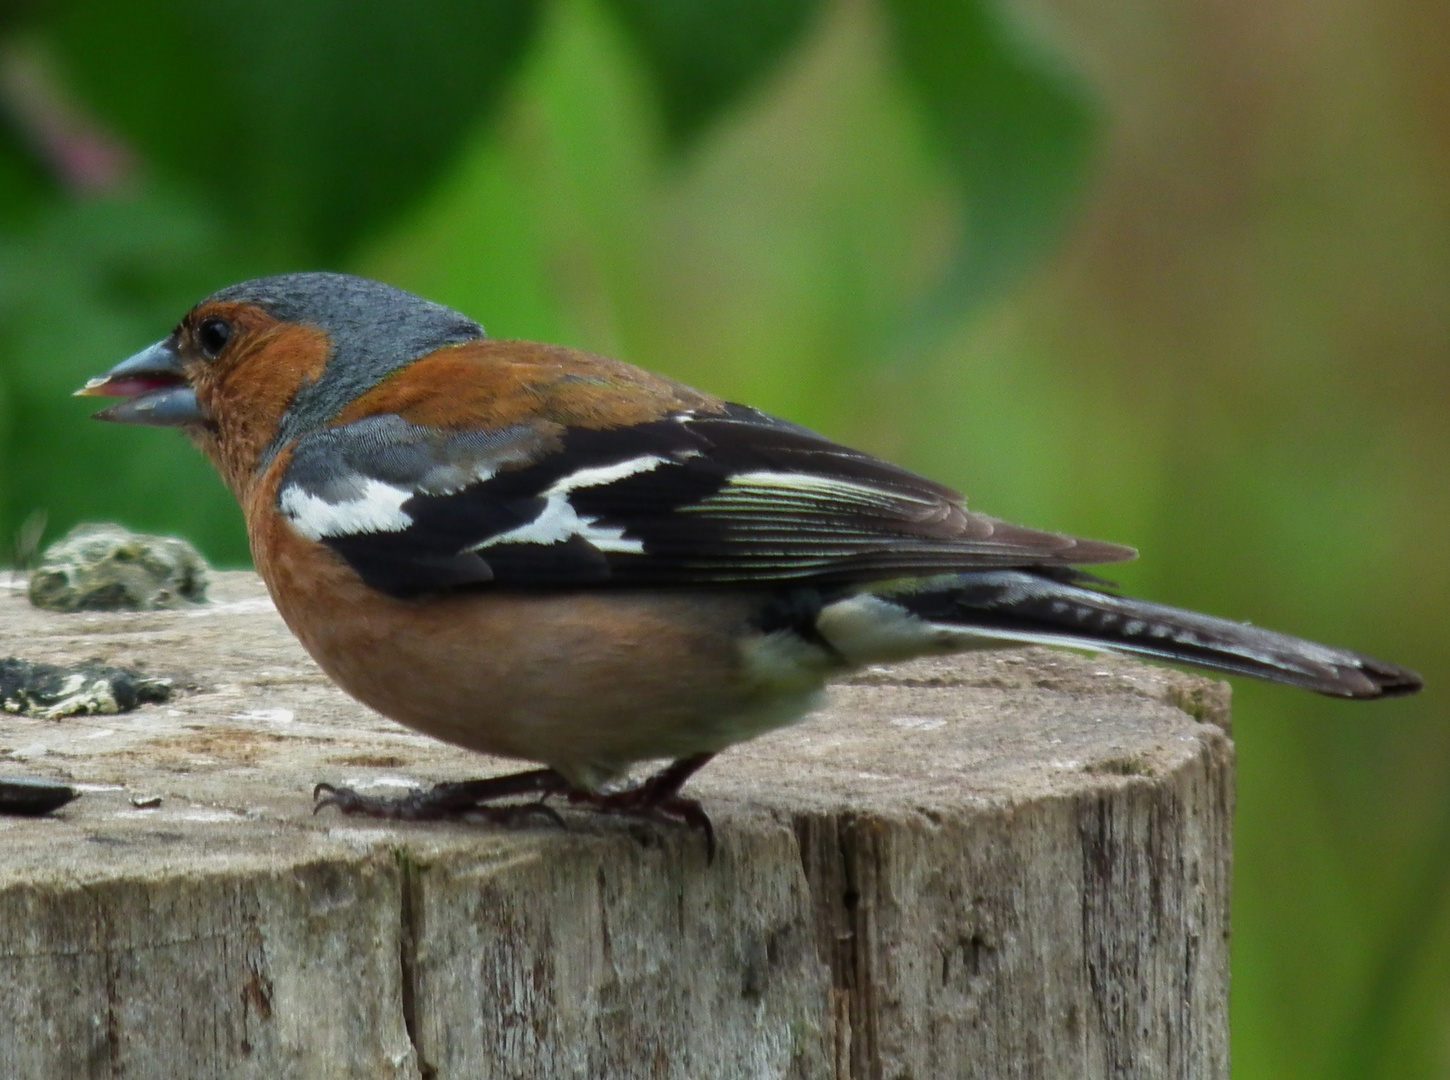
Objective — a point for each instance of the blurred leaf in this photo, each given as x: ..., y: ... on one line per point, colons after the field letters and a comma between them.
x: 59, y: 133
x: 706, y: 53
x: 22, y: 184
x: 1012, y: 124
x: 15, y: 14
x: 313, y: 120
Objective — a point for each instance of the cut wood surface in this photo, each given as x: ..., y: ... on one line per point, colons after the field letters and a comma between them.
x: 1008, y: 864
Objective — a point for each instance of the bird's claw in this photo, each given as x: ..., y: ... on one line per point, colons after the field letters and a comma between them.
x: 438, y: 803
x: 645, y: 803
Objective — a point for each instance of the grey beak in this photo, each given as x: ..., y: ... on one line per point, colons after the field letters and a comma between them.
x: 154, y: 384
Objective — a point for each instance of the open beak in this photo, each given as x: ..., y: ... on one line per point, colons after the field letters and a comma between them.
x: 155, y: 387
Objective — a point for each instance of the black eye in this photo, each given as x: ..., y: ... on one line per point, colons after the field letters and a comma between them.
x: 213, y: 336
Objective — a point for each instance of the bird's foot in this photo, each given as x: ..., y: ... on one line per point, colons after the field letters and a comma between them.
x: 658, y: 799
x: 676, y: 809
x: 460, y: 800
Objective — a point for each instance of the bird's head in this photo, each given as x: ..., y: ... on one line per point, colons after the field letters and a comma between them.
x: 254, y: 366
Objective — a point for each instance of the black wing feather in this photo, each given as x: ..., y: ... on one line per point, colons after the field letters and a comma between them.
x: 691, y: 500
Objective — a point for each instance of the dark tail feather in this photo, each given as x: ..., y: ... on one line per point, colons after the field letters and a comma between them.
x: 1024, y: 606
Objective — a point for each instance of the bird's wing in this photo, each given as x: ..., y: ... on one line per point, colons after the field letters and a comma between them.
x: 696, y: 498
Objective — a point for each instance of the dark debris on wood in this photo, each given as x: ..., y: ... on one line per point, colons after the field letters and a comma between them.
x: 22, y: 796
x: 31, y: 688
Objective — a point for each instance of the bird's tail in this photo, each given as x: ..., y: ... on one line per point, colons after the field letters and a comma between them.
x: 989, y: 607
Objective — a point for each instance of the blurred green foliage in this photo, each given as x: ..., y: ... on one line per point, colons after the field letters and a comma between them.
x: 1014, y: 128
x: 1232, y: 348
x: 706, y: 53
x: 305, y: 124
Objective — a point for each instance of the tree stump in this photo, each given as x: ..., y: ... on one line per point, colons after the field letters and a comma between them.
x: 1007, y: 864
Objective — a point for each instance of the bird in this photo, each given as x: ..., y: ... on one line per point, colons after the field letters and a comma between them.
x: 542, y: 554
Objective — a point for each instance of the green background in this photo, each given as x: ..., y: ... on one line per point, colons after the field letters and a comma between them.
x: 1176, y: 275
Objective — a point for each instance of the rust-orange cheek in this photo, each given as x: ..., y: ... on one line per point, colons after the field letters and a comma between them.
x: 250, y: 398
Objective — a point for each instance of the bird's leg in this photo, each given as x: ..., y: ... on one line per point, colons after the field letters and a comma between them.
x: 659, y: 797
x: 459, y: 799
x: 656, y: 798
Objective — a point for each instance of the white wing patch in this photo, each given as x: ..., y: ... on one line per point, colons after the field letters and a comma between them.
x: 377, y: 508
x: 559, y: 520
x: 605, y: 474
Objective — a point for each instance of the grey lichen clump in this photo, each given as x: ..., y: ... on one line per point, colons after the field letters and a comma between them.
x: 108, y: 568
x: 51, y: 692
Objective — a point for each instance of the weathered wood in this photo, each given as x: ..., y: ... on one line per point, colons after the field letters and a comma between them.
x: 1004, y: 865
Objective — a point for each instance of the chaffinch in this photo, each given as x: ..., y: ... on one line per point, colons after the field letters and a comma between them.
x: 537, y: 553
